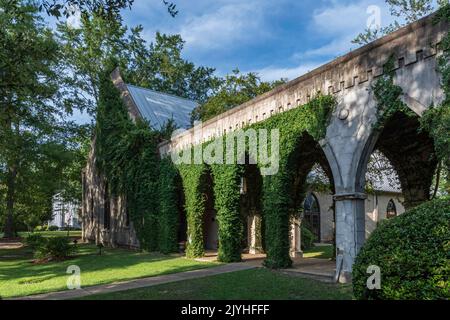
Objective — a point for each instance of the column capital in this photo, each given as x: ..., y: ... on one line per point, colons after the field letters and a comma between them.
x: 350, y: 196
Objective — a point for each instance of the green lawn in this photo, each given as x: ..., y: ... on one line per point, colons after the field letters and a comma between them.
x: 24, y: 234
x: 321, y: 252
x: 255, y: 284
x: 20, y: 277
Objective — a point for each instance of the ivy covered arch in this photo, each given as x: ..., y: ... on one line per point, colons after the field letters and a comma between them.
x: 399, y: 135
x: 309, y: 120
x: 251, y: 207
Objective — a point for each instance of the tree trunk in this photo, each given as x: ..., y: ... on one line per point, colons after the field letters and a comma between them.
x: 11, y: 186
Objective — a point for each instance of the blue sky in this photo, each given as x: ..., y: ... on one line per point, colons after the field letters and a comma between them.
x: 282, y: 38
x: 276, y: 39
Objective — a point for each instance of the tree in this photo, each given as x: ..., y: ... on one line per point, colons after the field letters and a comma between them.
x: 406, y: 10
x: 105, y: 8
x: 86, y: 52
x: 161, y: 68
x: 30, y: 112
x: 158, y: 66
x: 235, y: 89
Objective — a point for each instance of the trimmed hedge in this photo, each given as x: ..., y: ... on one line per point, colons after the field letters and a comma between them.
x: 413, y: 253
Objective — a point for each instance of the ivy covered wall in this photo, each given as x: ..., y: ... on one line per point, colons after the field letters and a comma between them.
x: 277, y: 197
x: 127, y: 157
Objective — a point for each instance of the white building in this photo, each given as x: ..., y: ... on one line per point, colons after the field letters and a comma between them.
x: 65, y: 213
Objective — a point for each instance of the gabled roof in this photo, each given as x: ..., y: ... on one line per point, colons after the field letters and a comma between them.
x: 157, y: 107
x: 387, y: 183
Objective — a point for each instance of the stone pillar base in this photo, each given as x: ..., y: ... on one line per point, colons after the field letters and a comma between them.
x: 255, y: 250
x: 345, y: 277
x: 296, y: 254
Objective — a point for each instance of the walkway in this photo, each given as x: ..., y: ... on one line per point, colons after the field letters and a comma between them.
x: 314, y: 268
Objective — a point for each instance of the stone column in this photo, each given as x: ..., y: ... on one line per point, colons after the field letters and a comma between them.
x: 255, y: 234
x: 350, y: 231
x: 296, y: 238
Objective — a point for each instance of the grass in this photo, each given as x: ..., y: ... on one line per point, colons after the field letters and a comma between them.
x: 255, y: 284
x: 20, y: 277
x: 320, y: 252
x: 24, y: 234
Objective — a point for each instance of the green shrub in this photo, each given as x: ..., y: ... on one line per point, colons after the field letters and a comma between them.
x: 412, y: 251
x: 55, y: 248
x: 307, y: 237
x: 34, y: 240
x: 52, y: 228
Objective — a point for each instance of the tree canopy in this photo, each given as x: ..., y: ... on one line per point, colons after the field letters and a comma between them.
x: 404, y: 12
x: 235, y: 89
x: 34, y: 133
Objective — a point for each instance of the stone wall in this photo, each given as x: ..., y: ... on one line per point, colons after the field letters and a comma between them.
x: 120, y: 231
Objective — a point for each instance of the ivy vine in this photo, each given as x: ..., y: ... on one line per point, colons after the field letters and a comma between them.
x: 312, y: 118
x: 127, y: 157
x: 388, y: 95
x: 436, y: 120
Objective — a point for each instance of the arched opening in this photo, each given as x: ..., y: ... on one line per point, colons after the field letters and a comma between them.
x: 391, y: 210
x: 382, y: 186
x: 410, y: 151
x: 311, y: 215
x: 251, y: 209
x: 312, y: 206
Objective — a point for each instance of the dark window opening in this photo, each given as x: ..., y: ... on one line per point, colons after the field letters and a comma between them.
x: 107, y: 209
x: 92, y: 208
x: 391, y: 210
x: 127, y: 215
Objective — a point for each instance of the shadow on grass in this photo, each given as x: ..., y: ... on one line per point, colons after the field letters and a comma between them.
x: 254, y: 284
x: 22, y: 277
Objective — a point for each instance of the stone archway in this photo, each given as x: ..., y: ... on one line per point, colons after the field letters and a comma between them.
x: 302, y: 160
x: 411, y: 153
x: 251, y: 208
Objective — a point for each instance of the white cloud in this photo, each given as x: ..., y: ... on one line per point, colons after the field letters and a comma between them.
x: 337, y: 24
x: 226, y: 25
x: 334, y: 49
x: 339, y: 18
x: 341, y: 22
x: 275, y: 73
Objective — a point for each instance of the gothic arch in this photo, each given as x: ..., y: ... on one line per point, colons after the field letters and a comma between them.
x: 411, y: 153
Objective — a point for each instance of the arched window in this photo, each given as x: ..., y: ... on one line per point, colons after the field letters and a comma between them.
x: 312, y: 214
x: 391, y: 210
